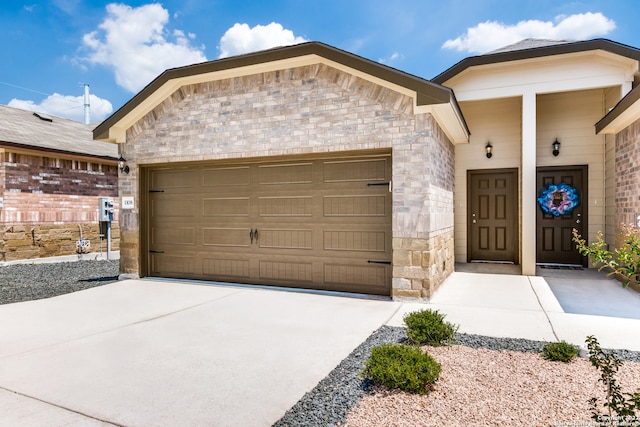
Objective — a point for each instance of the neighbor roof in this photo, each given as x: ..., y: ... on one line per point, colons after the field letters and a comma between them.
x: 532, y: 48
x: 29, y: 130
x: 427, y: 93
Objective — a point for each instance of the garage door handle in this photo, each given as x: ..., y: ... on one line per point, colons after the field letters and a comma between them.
x: 379, y: 262
x: 156, y: 252
x: 251, y: 236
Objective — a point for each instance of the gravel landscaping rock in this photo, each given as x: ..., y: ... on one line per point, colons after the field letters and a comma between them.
x: 329, y: 403
x: 26, y: 282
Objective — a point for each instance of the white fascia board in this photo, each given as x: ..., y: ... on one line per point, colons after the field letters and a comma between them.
x: 626, y: 118
x: 449, y: 120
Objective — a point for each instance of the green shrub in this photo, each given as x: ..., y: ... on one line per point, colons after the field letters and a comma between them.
x: 560, y: 351
x: 402, y: 367
x: 620, y: 407
x: 429, y: 327
x: 623, y: 262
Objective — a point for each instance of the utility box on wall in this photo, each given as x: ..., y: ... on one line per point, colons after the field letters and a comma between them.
x: 105, y: 209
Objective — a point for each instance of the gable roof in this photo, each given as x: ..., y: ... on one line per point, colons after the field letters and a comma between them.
x: 442, y: 100
x: 35, y: 131
x: 527, y: 49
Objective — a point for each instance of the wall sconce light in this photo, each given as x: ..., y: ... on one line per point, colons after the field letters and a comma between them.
x: 556, y: 147
x: 488, y: 148
x: 122, y: 164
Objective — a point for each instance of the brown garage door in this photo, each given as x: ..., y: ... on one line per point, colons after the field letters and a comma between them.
x: 308, y: 223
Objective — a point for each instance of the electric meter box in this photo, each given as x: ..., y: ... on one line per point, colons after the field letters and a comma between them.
x: 105, y: 209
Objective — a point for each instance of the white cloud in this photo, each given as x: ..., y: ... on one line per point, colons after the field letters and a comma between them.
x: 241, y: 39
x: 134, y: 43
x: 491, y: 35
x: 70, y: 107
x: 395, y: 56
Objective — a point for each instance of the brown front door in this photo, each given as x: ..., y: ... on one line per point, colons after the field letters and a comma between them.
x: 305, y: 222
x: 493, y: 215
x: 561, y: 207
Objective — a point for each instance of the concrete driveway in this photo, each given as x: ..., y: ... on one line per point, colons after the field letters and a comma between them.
x: 160, y: 353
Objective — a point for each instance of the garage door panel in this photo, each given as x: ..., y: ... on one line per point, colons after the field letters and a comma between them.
x: 173, y: 179
x: 172, y: 207
x: 226, y: 177
x: 172, y: 265
x: 285, y: 239
x: 355, y: 241
x: 292, y: 206
x: 367, y: 278
x: 226, y: 206
x: 226, y: 237
x: 298, y: 173
x: 355, y: 205
x: 164, y: 235
x: 355, y: 170
x: 231, y: 269
x: 286, y: 272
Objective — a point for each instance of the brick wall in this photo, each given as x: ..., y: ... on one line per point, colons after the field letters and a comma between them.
x: 627, y: 181
x: 310, y: 109
x: 46, y: 199
x: 25, y: 173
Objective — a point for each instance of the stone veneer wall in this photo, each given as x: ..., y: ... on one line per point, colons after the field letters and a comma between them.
x: 627, y: 173
x: 309, y: 109
x: 20, y: 242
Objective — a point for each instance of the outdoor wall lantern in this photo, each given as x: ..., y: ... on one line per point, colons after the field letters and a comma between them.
x: 556, y: 147
x: 122, y: 164
x: 488, y: 148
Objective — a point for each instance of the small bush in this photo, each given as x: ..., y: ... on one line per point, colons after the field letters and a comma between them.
x: 620, y: 406
x: 560, y: 351
x: 429, y: 327
x: 401, y: 367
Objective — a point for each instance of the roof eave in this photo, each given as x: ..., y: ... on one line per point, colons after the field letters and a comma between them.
x: 538, y: 52
x: 428, y: 93
x: 623, y: 114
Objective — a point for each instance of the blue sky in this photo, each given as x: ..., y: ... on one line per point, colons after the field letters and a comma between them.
x: 51, y: 48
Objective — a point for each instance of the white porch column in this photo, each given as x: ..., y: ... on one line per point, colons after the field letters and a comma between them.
x: 528, y: 184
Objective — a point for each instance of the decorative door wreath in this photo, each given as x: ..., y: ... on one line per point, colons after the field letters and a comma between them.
x: 558, y: 199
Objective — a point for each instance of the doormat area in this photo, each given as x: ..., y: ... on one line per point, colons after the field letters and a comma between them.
x: 561, y: 267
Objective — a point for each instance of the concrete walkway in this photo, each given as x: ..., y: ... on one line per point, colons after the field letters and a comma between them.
x: 502, y: 305
x: 161, y: 353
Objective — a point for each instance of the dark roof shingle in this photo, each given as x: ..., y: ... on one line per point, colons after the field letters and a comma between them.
x: 25, y: 128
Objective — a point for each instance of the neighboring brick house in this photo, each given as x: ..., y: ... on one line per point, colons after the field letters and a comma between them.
x: 308, y: 166
x: 52, y: 173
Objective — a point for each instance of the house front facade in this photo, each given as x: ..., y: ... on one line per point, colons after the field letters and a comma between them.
x: 307, y: 166
x: 536, y: 104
